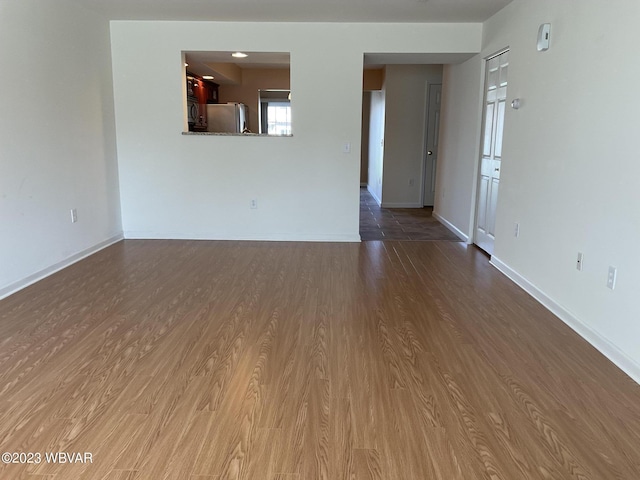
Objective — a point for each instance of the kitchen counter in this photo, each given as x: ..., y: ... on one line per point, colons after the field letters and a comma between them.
x: 229, y: 134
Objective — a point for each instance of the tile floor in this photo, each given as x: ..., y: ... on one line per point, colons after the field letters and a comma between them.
x: 377, y: 223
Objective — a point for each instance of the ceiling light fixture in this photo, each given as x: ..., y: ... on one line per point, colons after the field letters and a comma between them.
x: 207, y: 77
x: 239, y: 55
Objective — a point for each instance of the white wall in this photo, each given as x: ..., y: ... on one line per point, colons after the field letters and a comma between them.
x: 459, y: 142
x: 364, y: 137
x: 376, y: 144
x: 57, y: 140
x: 406, y: 88
x: 570, y: 170
x: 199, y: 187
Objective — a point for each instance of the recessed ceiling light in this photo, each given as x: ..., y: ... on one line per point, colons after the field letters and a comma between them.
x: 239, y: 55
x: 207, y: 77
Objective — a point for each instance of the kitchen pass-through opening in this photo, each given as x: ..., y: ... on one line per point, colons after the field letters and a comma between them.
x: 239, y: 93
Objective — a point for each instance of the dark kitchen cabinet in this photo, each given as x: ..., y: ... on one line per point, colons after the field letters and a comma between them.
x: 199, y: 90
x: 212, y: 92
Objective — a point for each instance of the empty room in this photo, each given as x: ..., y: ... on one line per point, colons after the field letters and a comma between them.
x: 295, y: 240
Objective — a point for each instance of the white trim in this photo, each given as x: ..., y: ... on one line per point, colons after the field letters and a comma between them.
x: 269, y: 237
x: 401, y: 205
x: 496, y: 54
x: 425, y: 139
x: 598, y: 341
x: 375, y: 197
x: 56, y: 267
x: 459, y: 233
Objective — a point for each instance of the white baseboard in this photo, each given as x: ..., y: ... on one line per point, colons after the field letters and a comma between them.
x: 276, y: 237
x: 373, y: 194
x: 600, y: 343
x: 56, y: 267
x: 452, y: 227
x: 401, y: 205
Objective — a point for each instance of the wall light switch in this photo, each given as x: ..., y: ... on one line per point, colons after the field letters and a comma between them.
x: 74, y: 215
x: 346, y: 148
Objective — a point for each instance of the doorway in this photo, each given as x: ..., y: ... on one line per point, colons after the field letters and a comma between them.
x: 432, y: 127
x: 495, y: 94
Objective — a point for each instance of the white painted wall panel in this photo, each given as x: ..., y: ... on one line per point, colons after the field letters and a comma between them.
x: 406, y: 88
x: 376, y: 146
x: 459, y: 143
x: 57, y: 137
x: 176, y: 186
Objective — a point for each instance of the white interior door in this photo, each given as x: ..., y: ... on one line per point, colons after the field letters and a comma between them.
x: 431, y: 154
x: 490, y: 164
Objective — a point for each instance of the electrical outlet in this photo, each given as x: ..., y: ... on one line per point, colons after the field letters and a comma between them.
x: 74, y: 215
x: 579, y: 261
x: 411, y: 182
x: 611, y: 278
x: 253, y: 204
x: 516, y: 230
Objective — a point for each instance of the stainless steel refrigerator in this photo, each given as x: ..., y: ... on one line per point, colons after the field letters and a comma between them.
x: 227, y: 117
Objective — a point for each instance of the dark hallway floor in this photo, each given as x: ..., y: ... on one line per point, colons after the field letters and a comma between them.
x: 377, y: 223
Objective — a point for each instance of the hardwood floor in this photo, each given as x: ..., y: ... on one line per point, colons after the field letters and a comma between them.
x: 203, y: 360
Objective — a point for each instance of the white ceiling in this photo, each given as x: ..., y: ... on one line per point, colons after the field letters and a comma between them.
x: 203, y: 63
x: 300, y: 10
x: 253, y: 60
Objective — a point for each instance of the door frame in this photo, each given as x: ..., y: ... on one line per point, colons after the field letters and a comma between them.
x: 479, y: 139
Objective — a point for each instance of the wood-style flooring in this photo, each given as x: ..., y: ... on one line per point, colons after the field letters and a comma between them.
x: 199, y: 360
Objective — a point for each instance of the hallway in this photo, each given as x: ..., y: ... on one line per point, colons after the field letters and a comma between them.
x: 417, y: 224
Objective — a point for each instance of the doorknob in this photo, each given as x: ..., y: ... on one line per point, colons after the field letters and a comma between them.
x: 429, y: 152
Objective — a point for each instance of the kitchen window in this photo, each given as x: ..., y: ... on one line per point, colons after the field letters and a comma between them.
x: 278, y: 118
x: 275, y: 112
